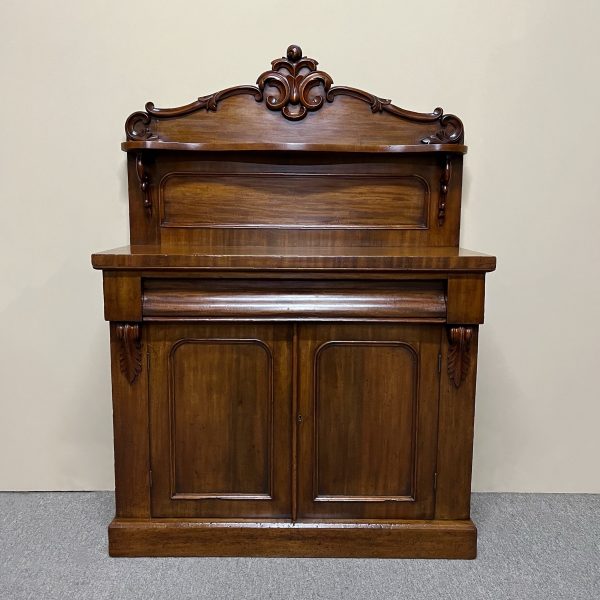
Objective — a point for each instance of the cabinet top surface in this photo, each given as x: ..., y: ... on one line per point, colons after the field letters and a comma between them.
x: 176, y: 257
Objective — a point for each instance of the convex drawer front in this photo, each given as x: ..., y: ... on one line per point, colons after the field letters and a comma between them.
x: 292, y: 422
x: 294, y: 300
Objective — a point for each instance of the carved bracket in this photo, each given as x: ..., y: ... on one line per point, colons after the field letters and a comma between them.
x: 144, y: 181
x: 130, y: 350
x: 299, y: 89
x: 459, y: 353
x: 444, y: 183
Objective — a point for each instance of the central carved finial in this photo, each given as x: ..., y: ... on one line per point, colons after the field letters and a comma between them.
x: 294, y: 53
x: 294, y: 78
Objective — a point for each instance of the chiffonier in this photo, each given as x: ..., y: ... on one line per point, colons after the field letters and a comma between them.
x: 293, y: 327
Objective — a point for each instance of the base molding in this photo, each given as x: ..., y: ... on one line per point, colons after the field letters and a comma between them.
x: 400, y: 539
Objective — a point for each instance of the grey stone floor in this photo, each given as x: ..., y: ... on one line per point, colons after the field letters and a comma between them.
x: 531, y: 546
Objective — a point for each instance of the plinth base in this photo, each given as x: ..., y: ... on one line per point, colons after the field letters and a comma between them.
x: 400, y: 539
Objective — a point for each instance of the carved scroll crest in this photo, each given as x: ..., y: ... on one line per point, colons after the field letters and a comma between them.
x: 459, y: 353
x: 130, y: 350
x: 295, y: 87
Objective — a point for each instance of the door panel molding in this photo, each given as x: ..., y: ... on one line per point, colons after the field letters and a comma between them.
x: 220, y: 420
x: 268, y: 471
x: 413, y: 353
x: 353, y: 464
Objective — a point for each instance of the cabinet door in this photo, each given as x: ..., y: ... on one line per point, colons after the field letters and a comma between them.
x: 220, y: 419
x: 367, y: 421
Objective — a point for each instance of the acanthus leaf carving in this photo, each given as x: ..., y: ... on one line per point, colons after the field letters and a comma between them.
x: 130, y: 350
x: 459, y: 353
x: 209, y: 102
x: 377, y: 104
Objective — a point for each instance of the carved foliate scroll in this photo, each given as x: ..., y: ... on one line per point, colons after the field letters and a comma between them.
x: 294, y: 86
x: 459, y: 353
x: 294, y: 77
x: 130, y: 350
x: 450, y: 132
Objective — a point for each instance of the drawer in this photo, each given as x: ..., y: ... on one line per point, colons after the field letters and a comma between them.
x: 294, y: 300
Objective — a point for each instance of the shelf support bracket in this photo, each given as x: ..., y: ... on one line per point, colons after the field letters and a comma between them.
x: 144, y: 181
x: 444, y: 185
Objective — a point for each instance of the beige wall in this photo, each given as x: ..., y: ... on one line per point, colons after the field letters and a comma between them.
x: 523, y: 75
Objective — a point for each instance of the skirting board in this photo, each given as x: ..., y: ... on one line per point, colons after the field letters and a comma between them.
x: 401, y: 539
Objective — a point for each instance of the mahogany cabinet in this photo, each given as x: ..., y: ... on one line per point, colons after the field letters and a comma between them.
x: 293, y: 327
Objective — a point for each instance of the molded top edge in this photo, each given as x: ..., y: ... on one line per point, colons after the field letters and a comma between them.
x: 292, y: 147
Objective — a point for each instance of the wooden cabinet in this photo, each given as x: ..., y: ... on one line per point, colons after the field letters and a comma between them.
x: 293, y: 327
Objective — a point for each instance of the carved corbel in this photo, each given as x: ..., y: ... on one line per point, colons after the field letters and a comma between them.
x: 144, y: 181
x: 444, y: 185
x: 459, y: 353
x: 130, y: 350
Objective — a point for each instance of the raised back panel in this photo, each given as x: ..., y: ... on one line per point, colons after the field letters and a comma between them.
x: 294, y: 198
x: 294, y: 161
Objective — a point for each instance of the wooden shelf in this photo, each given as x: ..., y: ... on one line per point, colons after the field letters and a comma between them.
x: 293, y: 147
